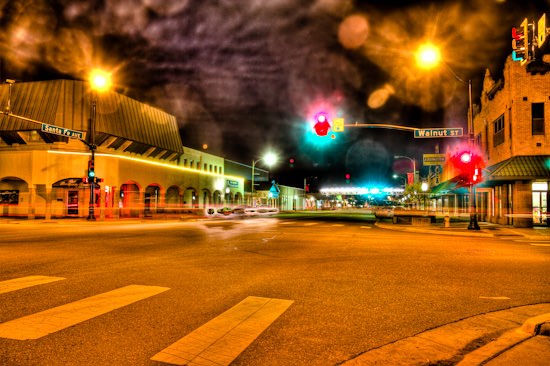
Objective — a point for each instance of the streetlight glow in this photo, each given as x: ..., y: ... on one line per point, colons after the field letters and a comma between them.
x: 270, y: 159
x: 428, y: 56
x: 100, y: 80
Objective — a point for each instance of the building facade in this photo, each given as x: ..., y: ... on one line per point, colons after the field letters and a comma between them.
x: 45, y: 138
x: 512, y: 130
x: 46, y: 131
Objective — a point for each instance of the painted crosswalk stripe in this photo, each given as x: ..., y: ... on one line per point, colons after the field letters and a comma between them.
x: 223, y: 338
x: 24, y: 282
x: 52, y: 320
x: 310, y: 223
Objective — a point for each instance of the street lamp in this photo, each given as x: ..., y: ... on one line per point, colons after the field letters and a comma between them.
x: 100, y: 82
x: 424, y: 188
x: 411, y: 159
x: 424, y: 60
x: 269, y: 159
x: 395, y: 176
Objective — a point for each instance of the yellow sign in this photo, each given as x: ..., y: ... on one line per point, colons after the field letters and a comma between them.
x: 541, y: 34
x: 338, y: 125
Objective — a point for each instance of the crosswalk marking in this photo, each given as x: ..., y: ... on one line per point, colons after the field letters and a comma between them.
x: 365, y: 227
x: 337, y: 225
x: 223, y: 338
x: 52, y: 320
x: 24, y: 282
x: 310, y: 223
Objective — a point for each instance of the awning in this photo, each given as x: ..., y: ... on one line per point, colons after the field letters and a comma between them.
x: 520, y: 167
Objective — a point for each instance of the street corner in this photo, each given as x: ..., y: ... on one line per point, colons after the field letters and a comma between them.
x: 468, y: 342
x: 435, y: 229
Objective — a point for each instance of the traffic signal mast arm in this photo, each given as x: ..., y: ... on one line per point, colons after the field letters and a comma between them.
x: 379, y: 125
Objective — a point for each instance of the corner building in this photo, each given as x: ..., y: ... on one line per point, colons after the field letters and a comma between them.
x: 512, y: 129
x: 45, y: 132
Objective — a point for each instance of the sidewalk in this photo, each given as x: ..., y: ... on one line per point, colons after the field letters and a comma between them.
x: 501, y: 338
x: 526, y: 345
x: 487, y: 230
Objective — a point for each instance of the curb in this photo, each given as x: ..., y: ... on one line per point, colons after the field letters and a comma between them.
x: 433, y: 231
x: 468, y: 342
x: 530, y: 328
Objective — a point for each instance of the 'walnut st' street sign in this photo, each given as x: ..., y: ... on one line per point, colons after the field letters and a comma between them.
x: 437, y: 132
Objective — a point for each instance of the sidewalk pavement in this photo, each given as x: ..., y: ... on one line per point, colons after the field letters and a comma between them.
x: 510, y: 337
x: 527, y: 345
x: 487, y: 230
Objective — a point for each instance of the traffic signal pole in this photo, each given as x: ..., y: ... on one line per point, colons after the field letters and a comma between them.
x: 91, y: 212
x: 473, y: 214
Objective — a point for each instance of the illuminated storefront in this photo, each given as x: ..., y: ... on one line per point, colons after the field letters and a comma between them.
x: 144, y: 169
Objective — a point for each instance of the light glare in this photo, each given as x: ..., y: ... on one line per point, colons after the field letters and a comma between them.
x: 428, y: 56
x: 100, y: 80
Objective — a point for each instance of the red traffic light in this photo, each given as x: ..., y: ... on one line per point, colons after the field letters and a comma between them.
x: 322, y: 126
x: 468, y: 166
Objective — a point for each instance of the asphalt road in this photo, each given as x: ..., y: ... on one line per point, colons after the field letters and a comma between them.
x: 354, y: 286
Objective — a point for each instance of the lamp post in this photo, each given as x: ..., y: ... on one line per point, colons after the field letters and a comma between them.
x: 411, y: 159
x: 100, y: 81
x: 428, y: 56
x: 270, y: 159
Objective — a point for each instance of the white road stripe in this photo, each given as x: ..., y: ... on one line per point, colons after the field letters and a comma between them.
x: 310, y: 223
x: 52, y: 320
x: 24, y: 282
x: 540, y: 245
x: 338, y: 225
x: 365, y: 227
x: 495, y: 297
x: 223, y: 338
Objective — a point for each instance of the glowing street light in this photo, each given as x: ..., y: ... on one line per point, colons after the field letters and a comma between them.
x: 100, y: 82
x: 269, y: 159
x: 428, y: 56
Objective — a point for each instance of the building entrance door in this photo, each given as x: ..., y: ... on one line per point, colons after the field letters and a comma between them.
x: 540, y: 207
x: 72, y: 203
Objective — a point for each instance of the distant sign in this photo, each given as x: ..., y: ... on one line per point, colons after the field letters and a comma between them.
x: 63, y: 132
x: 434, y: 159
x: 438, y: 132
x: 233, y: 183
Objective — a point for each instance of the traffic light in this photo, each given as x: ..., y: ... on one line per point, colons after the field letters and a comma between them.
x: 91, y: 172
x: 348, y: 178
x: 322, y: 126
x: 520, y: 42
x: 468, y: 165
x: 291, y: 162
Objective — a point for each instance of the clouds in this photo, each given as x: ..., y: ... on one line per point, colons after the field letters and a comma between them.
x: 251, y: 70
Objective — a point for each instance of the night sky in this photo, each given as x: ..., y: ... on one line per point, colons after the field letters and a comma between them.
x: 247, y: 76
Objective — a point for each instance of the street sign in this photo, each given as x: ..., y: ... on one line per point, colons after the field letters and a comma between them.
x: 63, y: 132
x: 437, y: 132
x: 541, y: 31
x: 338, y: 125
x: 434, y: 159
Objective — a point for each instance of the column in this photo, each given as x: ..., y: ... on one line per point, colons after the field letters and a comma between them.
x: 31, y: 202
x: 115, y: 191
x: 522, y: 204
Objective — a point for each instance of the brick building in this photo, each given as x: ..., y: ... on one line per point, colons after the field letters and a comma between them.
x: 512, y: 129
